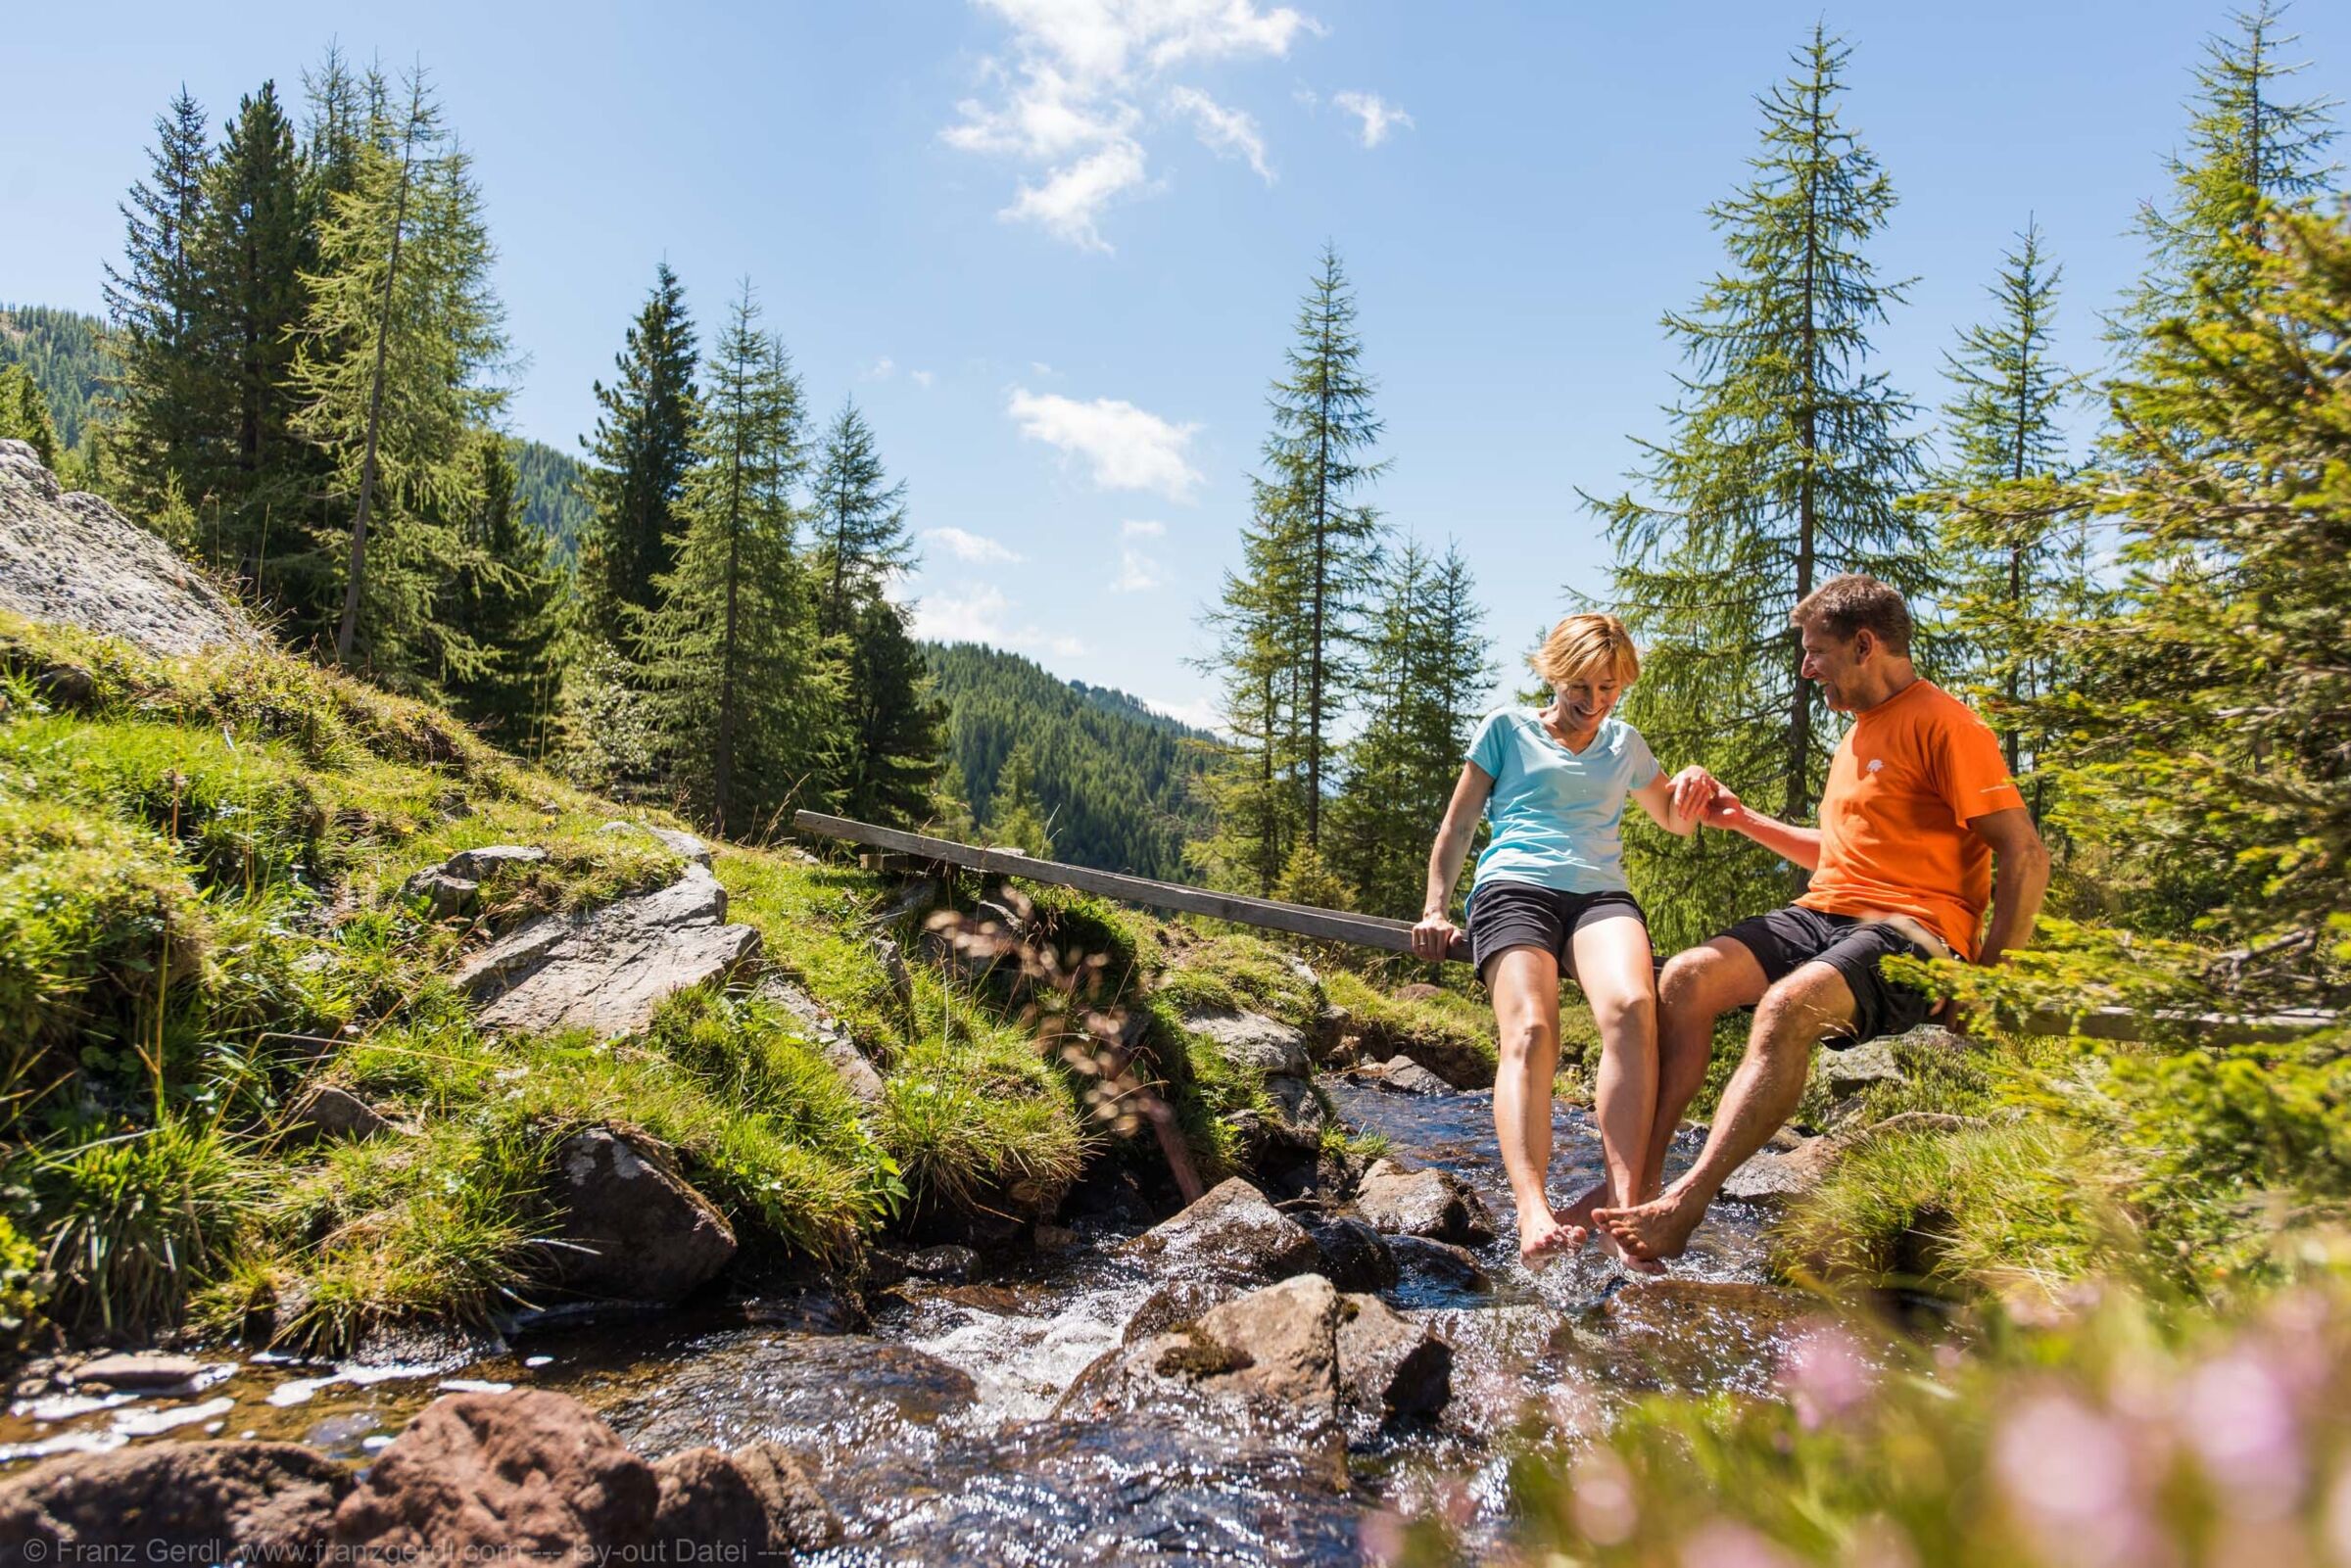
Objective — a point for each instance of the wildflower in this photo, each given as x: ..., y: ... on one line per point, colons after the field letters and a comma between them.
x: 2237, y: 1413
x: 1825, y: 1375
x: 1602, y: 1498
x: 2072, y: 1480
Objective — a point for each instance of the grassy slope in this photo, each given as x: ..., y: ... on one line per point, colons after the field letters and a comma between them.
x: 200, y: 915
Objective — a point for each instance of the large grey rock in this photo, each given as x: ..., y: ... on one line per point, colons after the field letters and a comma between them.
x: 1775, y: 1176
x: 1404, y: 1075
x: 1440, y: 1262
x: 678, y: 843
x: 70, y: 557
x: 1355, y: 1256
x: 1434, y: 1203
x: 1299, y: 1110
x: 485, y: 860
x: 442, y: 894
x: 1269, y: 1357
x: 190, y: 1501
x: 1231, y: 1233
x: 606, y: 970
x: 326, y: 1111
x: 1391, y: 1367
x: 146, y: 1370
x: 633, y: 1229
x: 1254, y: 1041
x: 1849, y: 1071
x: 832, y: 1042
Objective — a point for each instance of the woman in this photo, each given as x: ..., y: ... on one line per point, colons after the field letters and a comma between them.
x: 1550, y: 897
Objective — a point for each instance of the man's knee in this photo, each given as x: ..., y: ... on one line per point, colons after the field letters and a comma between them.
x: 1797, y: 1012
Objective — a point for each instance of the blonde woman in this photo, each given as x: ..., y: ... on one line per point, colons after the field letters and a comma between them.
x: 1549, y: 899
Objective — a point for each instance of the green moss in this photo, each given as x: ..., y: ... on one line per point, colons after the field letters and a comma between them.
x: 1457, y: 1026
x: 1235, y: 970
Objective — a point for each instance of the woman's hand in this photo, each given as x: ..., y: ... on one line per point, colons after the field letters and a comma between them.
x: 1701, y: 798
x: 1433, y: 937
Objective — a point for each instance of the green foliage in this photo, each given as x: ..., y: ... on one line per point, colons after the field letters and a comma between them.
x: 25, y: 414
x: 503, y: 593
x: 1787, y: 461
x: 22, y: 1286
x: 153, y: 306
x: 858, y: 522
x: 64, y: 352
x: 973, y: 1110
x: 1114, y: 778
x: 551, y: 492
x: 639, y: 458
x: 1014, y: 816
x: 1447, y: 1022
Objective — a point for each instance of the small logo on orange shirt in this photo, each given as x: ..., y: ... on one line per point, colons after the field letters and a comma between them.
x: 1877, y: 763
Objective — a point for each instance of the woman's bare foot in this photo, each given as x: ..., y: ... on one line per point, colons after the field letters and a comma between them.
x: 1658, y: 1229
x: 1579, y: 1215
x: 1542, y: 1237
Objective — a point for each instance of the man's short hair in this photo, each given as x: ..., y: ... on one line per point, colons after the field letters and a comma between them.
x: 1847, y: 605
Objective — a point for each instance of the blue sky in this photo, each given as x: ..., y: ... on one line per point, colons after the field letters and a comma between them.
x: 1053, y: 247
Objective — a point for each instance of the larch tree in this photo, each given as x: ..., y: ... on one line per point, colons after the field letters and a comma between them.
x: 25, y: 414
x: 152, y: 304
x: 747, y: 703
x: 638, y: 460
x: 1785, y: 466
x: 858, y: 528
x: 503, y: 595
x: 1253, y: 794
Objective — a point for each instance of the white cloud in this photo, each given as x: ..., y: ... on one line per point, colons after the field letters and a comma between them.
x: 1073, y: 195
x: 1379, y: 115
x: 1222, y: 130
x: 1125, y: 447
x: 1067, y: 99
x: 881, y: 370
x: 921, y: 378
x: 1200, y: 713
x: 1142, y: 528
x: 977, y: 548
x: 977, y: 614
x: 1138, y: 573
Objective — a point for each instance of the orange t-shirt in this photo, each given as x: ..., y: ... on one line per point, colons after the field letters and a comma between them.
x: 1906, y: 780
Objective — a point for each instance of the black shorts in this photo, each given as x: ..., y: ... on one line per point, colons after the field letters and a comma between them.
x: 1786, y: 938
x: 1508, y: 915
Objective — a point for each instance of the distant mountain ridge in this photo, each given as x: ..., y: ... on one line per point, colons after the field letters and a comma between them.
x: 1115, y: 780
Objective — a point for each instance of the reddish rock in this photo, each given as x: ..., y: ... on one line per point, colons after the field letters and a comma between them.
x: 759, y: 1498
x: 1234, y: 1233
x: 262, y: 1501
x: 1435, y: 1203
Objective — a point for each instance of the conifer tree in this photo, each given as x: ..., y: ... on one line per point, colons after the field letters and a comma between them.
x: 1427, y: 675
x: 889, y: 757
x: 1784, y: 468
x: 25, y: 414
x: 1253, y: 796
x: 253, y: 245
x: 395, y: 366
x: 2018, y: 548
x: 503, y: 595
x: 2250, y: 144
x: 745, y: 699
x: 859, y: 526
x: 1015, y: 816
x: 643, y: 448
x: 152, y: 302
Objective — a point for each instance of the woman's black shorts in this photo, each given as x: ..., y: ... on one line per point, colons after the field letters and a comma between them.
x: 1508, y: 915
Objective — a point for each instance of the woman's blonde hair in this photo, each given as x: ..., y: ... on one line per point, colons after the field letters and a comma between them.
x: 1583, y: 644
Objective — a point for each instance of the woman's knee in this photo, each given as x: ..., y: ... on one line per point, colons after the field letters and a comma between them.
x: 1625, y: 1014
x: 1524, y: 1037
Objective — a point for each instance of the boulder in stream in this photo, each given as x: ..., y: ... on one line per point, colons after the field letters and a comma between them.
x: 1400, y: 1075
x: 758, y: 1496
x: 262, y: 1501
x: 1355, y: 1256
x: 1440, y: 1262
x: 633, y: 1228
x: 1231, y: 1233
x: 1435, y: 1203
x: 1391, y: 1367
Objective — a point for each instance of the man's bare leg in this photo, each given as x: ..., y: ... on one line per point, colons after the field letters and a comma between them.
x: 1761, y: 1095
x: 1698, y: 987
x: 1525, y: 984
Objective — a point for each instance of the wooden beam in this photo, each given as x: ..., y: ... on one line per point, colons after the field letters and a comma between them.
x: 1395, y: 935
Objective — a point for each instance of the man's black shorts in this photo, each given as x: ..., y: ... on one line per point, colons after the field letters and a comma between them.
x: 1507, y: 915
x: 1786, y: 938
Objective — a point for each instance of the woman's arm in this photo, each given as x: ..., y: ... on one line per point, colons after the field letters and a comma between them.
x: 1435, y: 931
x: 1658, y: 798
x: 1706, y: 800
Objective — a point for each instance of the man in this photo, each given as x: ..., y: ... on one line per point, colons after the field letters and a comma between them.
x: 1917, y: 814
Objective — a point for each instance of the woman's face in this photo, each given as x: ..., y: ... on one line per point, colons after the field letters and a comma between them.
x: 1586, y: 700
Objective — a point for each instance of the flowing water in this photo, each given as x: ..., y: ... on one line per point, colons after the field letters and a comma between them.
x: 931, y: 1434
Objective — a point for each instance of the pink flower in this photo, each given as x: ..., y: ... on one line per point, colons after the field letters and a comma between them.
x: 2074, y: 1483
x: 1825, y: 1375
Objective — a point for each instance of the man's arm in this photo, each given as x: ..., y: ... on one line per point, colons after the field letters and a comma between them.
x: 2020, y: 875
x: 1699, y: 794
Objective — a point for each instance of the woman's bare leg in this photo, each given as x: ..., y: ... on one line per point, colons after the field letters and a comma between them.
x: 1525, y: 985
x: 1614, y: 969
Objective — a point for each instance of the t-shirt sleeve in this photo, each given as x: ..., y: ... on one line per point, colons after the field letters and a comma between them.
x: 1974, y: 775
x: 1641, y: 764
x: 1490, y: 744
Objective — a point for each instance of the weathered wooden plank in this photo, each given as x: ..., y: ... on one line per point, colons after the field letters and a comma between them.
x: 1271, y: 913
x: 1395, y: 935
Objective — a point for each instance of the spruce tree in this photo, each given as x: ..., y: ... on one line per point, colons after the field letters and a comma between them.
x: 1428, y: 671
x: 891, y: 751
x: 395, y: 367
x: 152, y: 302
x: 2018, y: 547
x: 859, y: 526
x: 1253, y: 796
x: 254, y: 244
x: 1016, y: 818
x: 746, y: 700
x: 25, y: 414
x: 639, y: 458
x: 503, y: 595
x: 1784, y: 468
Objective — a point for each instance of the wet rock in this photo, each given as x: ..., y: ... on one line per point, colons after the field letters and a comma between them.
x: 325, y: 1111
x: 1441, y: 1263
x: 759, y: 1497
x: 948, y: 1263
x: 532, y: 1473
x: 264, y: 1501
x: 682, y: 844
x: 633, y: 1226
x: 1231, y: 1233
x: 1328, y: 1030
x: 444, y: 896
x: 815, y: 1306
x: 607, y: 968
x: 1849, y: 1071
x: 1269, y: 1357
x: 1776, y: 1177
x: 480, y: 864
x: 812, y: 1391
x: 145, y: 1370
x: 1434, y: 1203
x: 1355, y: 1256
x: 1253, y: 1041
x: 1391, y: 1368
x: 1697, y: 1333
x: 1175, y: 1304
x: 1299, y: 1114
x: 1404, y: 1075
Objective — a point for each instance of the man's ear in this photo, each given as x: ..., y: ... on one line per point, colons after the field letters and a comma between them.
x: 1865, y: 644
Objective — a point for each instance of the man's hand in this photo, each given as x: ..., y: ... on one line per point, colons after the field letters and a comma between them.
x: 1434, y: 936
x: 1701, y: 798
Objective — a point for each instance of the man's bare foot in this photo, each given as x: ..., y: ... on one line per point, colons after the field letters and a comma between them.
x: 1542, y: 1237
x: 1580, y: 1214
x: 1658, y: 1229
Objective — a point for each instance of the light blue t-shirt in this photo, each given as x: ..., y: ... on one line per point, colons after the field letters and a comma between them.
x: 1555, y: 811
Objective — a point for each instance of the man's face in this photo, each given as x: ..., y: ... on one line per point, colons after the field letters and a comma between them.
x: 1834, y: 663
